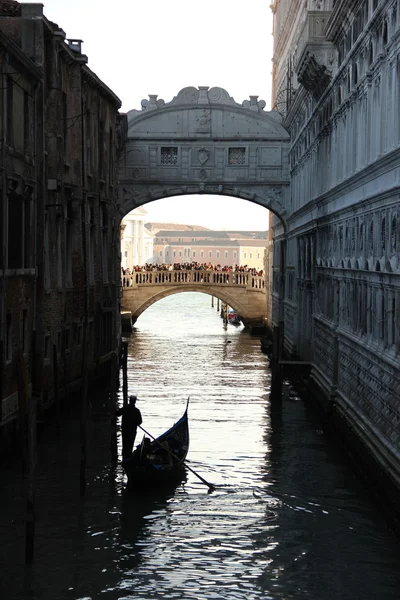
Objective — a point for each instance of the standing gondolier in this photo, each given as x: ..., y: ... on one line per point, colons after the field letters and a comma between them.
x: 131, y: 418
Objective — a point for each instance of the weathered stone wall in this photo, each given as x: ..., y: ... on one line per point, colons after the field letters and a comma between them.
x: 343, y: 310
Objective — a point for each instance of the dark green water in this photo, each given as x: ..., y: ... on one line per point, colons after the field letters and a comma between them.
x: 289, y: 519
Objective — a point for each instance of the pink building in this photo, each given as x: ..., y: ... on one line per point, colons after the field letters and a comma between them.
x: 225, y: 248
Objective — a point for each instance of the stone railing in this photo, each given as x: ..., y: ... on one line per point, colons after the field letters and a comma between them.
x: 190, y: 277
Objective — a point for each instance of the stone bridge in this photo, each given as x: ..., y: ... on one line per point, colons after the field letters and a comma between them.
x: 244, y: 292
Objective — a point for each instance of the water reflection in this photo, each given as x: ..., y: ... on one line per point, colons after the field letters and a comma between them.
x: 288, y: 519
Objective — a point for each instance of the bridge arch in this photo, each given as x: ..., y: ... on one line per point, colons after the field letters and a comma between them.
x: 203, y: 142
x: 229, y: 299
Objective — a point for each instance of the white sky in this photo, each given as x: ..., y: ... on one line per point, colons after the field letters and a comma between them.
x: 142, y: 47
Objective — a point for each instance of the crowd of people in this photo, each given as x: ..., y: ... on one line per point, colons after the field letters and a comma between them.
x: 192, y: 266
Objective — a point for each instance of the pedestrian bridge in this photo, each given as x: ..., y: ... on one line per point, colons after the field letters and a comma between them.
x: 243, y: 291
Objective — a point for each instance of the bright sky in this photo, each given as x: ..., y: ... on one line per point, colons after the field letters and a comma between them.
x: 142, y: 47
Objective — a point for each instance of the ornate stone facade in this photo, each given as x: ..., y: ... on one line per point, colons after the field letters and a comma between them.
x: 337, y: 66
x: 205, y: 142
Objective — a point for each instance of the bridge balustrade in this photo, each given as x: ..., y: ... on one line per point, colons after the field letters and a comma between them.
x: 228, y: 278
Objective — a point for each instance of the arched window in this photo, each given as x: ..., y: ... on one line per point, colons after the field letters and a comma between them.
x: 383, y: 235
x: 385, y: 34
x: 394, y: 234
x: 371, y: 54
x: 371, y: 237
x: 355, y: 73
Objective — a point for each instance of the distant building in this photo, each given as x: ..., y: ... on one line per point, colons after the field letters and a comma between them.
x: 136, y: 240
x: 225, y: 248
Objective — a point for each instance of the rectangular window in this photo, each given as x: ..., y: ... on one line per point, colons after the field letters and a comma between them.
x: 160, y: 252
x: 180, y: 253
x: 91, y: 243
x: 59, y: 261
x: 10, y: 109
x: 245, y: 255
x: 237, y: 156
x: 67, y: 338
x: 201, y: 254
x: 209, y: 253
x: 24, y: 331
x: 226, y: 254
x: 47, y: 347
x: 169, y: 155
x: 110, y: 158
x: 68, y: 239
x: 8, y: 338
x: 217, y: 253
x: 235, y: 254
x: 194, y: 253
x: 100, y: 155
x: 19, y: 230
x: 174, y: 253
x: 79, y: 335
x: 26, y: 123
x: 251, y: 255
x: 65, y: 122
x: 258, y: 255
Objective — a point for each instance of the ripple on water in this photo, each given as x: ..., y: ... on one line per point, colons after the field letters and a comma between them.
x: 288, y: 520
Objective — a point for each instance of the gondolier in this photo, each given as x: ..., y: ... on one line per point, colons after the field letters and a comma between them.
x: 131, y: 418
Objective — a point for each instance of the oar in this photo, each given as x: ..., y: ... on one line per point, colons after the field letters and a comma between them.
x: 210, y: 485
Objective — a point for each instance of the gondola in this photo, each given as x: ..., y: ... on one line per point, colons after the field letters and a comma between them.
x: 160, y: 461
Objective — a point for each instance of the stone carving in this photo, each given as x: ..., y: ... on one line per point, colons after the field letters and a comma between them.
x: 203, y: 96
x: 254, y: 104
x: 203, y: 174
x: 204, y: 121
x: 152, y: 103
x: 203, y: 155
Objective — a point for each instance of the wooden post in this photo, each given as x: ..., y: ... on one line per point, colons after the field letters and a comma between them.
x: 125, y: 372
x: 30, y: 445
x: 212, y: 301
x: 217, y: 304
x: 113, y: 407
x: 56, y: 392
x: 225, y: 316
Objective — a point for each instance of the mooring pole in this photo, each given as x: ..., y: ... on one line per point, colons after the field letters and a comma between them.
x: 225, y: 314
x: 217, y: 304
x: 125, y: 371
x: 212, y: 301
x: 113, y: 407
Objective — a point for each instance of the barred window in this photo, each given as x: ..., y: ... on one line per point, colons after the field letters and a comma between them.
x: 237, y: 156
x: 169, y: 155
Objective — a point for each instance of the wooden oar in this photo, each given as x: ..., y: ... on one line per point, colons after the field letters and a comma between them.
x: 210, y: 485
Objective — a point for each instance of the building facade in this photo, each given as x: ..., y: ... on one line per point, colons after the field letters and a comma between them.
x: 225, y: 248
x: 136, y: 240
x: 18, y: 202
x: 60, y: 252
x: 337, y: 85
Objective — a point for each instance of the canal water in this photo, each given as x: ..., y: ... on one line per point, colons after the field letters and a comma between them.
x: 288, y: 519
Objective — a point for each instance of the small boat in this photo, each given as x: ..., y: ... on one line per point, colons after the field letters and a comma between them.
x: 160, y: 461
x: 233, y: 317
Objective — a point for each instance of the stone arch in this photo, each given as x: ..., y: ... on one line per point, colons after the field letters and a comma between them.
x: 222, y: 295
x: 203, y: 142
